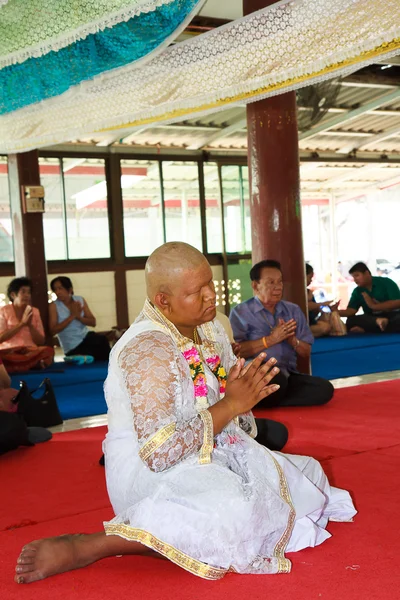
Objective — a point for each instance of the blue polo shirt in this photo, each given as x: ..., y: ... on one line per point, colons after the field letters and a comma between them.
x: 252, y: 321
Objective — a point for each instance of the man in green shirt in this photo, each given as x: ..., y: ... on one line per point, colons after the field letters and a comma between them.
x: 379, y: 297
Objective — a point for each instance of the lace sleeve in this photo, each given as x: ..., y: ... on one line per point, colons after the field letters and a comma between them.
x: 153, y: 381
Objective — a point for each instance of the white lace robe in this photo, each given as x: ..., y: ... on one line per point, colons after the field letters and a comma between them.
x: 239, y: 511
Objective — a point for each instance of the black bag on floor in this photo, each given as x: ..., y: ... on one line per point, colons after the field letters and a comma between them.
x: 38, y: 412
x: 13, y: 432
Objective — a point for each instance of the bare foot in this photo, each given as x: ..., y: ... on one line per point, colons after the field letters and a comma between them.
x: 382, y: 323
x: 43, y: 558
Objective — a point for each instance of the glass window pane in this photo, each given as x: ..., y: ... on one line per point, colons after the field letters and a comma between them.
x: 182, y: 202
x: 53, y: 218
x: 6, y: 230
x: 213, y: 211
x: 141, y: 196
x: 235, y: 235
x: 246, y: 208
x: 86, y: 208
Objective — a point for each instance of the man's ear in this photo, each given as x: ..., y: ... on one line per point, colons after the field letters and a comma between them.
x: 254, y: 285
x: 161, y: 300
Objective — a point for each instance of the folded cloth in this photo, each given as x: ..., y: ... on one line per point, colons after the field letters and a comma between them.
x: 79, y: 359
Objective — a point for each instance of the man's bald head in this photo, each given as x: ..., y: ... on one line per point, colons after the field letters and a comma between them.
x: 168, y: 265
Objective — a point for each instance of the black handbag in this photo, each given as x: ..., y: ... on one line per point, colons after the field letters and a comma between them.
x: 13, y: 432
x: 38, y: 412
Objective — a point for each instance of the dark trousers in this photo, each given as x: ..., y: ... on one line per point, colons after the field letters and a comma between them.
x: 298, y: 390
x: 271, y: 434
x: 368, y: 322
x: 95, y: 345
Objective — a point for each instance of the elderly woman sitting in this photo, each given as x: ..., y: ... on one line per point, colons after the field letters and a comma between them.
x: 21, y: 331
x: 69, y: 318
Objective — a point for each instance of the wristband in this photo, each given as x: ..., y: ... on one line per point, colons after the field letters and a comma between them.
x: 264, y: 341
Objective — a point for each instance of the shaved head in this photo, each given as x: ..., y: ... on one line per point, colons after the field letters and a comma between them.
x: 168, y: 265
x: 180, y: 284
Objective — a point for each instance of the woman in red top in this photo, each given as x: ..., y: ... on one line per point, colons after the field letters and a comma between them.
x: 21, y: 331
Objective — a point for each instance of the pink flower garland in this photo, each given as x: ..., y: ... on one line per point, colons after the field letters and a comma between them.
x: 197, y: 373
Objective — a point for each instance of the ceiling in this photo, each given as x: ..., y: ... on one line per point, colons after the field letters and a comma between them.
x: 353, y: 148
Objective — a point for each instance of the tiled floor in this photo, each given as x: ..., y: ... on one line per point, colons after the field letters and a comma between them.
x: 99, y: 420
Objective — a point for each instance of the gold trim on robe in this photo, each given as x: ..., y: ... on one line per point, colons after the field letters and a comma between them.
x: 194, y: 566
x: 208, y: 437
x: 284, y: 564
x: 157, y: 440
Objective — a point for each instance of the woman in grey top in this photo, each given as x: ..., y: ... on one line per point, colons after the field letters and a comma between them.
x: 69, y: 318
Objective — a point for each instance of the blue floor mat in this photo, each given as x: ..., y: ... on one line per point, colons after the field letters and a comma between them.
x: 62, y: 374
x: 79, y: 390
x: 81, y: 400
x: 348, y: 356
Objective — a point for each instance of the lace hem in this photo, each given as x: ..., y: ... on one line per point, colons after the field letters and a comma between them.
x: 194, y: 566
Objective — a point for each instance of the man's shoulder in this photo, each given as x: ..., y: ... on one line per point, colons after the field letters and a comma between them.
x: 389, y: 283
x: 290, y: 306
x: 245, y: 306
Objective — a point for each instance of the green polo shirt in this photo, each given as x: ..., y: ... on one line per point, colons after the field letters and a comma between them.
x: 383, y: 289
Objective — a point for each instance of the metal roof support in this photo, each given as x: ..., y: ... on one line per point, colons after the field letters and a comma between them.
x: 351, y: 114
x: 373, y: 139
x: 236, y: 125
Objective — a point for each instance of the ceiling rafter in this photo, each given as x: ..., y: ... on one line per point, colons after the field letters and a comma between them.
x: 372, y: 139
x: 351, y: 114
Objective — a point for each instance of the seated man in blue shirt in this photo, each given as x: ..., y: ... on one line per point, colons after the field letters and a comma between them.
x: 268, y: 322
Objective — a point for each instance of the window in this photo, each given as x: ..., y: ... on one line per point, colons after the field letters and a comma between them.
x: 246, y: 207
x: 142, y: 205
x: 54, y: 223
x: 235, y: 191
x: 182, y: 202
x: 213, y: 209
x: 86, y: 208
x: 76, y: 218
x: 6, y: 230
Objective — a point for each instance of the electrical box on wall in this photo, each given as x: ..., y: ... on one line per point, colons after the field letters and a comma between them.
x: 33, y: 198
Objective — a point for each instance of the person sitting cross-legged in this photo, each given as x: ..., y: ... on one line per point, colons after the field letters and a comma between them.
x: 185, y: 476
x: 379, y: 297
x: 22, y: 336
x: 69, y: 318
x: 266, y: 323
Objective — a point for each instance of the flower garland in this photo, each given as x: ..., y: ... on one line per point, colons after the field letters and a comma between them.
x: 198, y: 375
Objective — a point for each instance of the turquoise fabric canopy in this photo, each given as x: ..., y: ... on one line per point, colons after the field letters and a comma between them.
x: 53, y: 73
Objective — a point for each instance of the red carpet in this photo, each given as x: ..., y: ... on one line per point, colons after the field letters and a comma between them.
x: 60, y: 487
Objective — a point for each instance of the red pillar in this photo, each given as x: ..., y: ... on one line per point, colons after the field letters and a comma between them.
x: 275, y: 185
x: 29, y: 253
